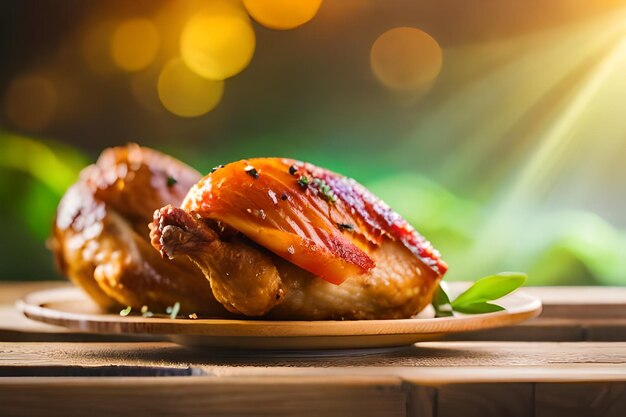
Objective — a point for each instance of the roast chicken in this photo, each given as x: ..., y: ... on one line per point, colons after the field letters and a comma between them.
x: 266, y: 237
x: 101, y: 236
x: 288, y: 240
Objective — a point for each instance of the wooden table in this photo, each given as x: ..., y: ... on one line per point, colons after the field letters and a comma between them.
x: 570, y: 361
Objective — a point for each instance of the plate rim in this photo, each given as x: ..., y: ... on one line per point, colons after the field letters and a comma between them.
x: 32, y: 305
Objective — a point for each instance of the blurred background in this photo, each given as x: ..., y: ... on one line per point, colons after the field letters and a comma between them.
x: 496, y: 127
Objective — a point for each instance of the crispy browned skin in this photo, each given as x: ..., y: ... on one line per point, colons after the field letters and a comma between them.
x: 250, y: 284
x: 101, y: 236
x: 311, y: 244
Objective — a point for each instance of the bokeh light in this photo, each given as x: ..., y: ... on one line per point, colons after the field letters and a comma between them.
x: 185, y: 93
x: 30, y: 102
x: 218, y: 42
x: 406, y: 59
x: 282, y: 14
x: 523, y: 135
x: 134, y: 44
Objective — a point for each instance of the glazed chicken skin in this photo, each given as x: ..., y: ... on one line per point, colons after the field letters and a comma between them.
x: 289, y: 240
x: 101, y: 236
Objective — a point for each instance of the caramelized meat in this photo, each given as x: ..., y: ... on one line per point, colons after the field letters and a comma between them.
x: 101, y: 236
x: 243, y: 278
x: 308, y: 244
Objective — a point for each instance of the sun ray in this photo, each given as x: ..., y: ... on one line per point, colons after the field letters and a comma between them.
x: 507, y: 91
x: 511, y: 214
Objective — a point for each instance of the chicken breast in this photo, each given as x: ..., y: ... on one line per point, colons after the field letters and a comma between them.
x: 287, y: 239
x: 101, y: 236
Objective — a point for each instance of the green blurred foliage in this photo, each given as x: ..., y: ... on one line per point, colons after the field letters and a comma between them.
x: 563, y: 248
x: 559, y: 248
x: 34, y: 174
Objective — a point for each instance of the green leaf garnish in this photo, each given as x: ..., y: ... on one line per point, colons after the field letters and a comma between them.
x: 490, y: 288
x: 478, y: 308
x: 475, y: 300
x: 125, y: 312
x: 441, y: 303
x: 173, y: 311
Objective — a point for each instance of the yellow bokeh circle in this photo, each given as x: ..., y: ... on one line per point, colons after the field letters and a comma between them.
x: 218, y: 43
x: 282, y: 14
x: 185, y: 93
x: 135, y: 44
x: 406, y: 59
x: 30, y: 102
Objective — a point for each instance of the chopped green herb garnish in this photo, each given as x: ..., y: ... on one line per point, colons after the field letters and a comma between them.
x: 173, y: 311
x: 325, y: 190
x: 171, y: 181
x: 145, y: 312
x: 303, y: 182
x: 125, y: 312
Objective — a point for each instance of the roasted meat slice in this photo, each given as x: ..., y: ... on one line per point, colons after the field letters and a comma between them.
x: 280, y: 237
x: 101, y: 236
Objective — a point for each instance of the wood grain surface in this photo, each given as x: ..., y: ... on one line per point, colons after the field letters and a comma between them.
x: 319, y: 396
x: 566, y: 363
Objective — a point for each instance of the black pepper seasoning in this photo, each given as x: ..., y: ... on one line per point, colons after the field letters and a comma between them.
x: 250, y: 170
x: 171, y: 181
x: 346, y: 226
x: 293, y: 169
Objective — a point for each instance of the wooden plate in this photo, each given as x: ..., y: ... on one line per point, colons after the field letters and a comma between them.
x: 72, y: 308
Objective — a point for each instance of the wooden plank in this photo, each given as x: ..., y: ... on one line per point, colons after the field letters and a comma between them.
x: 420, y: 400
x: 606, y: 331
x: 580, y: 400
x: 607, y: 373
x: 538, y: 329
x: 341, y: 396
x: 435, y: 354
x: 313, y: 395
x: 203, y: 396
x: 485, y: 400
x: 554, y: 330
x: 432, y: 362
x: 581, y: 302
